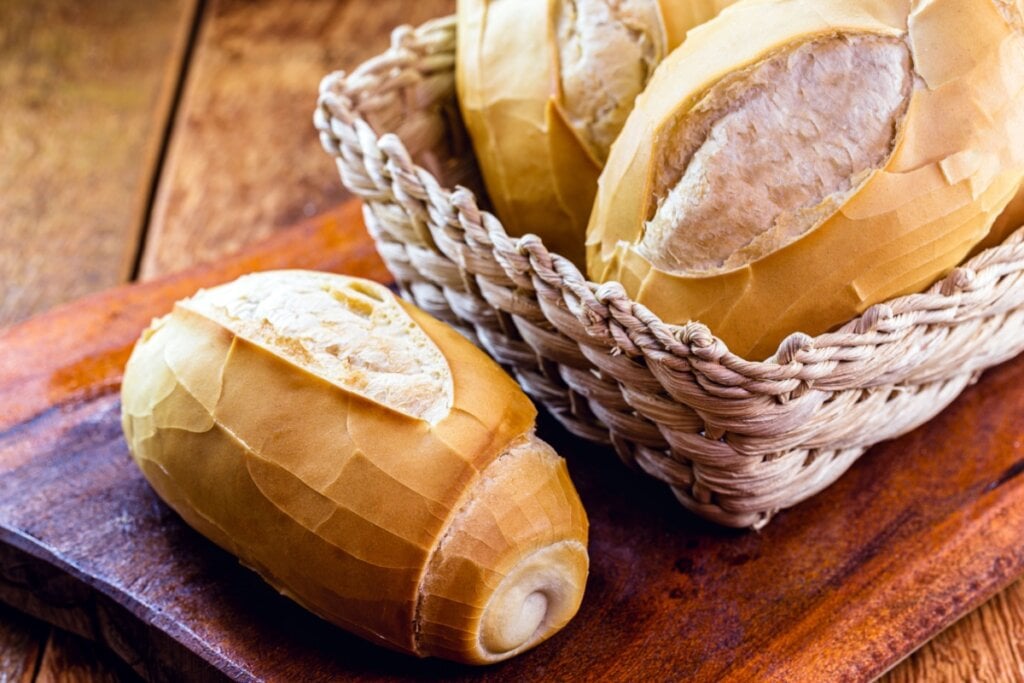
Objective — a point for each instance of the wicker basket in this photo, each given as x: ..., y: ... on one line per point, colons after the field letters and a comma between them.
x: 736, y: 440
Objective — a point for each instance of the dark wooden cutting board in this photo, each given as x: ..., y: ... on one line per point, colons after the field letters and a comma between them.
x: 920, y: 531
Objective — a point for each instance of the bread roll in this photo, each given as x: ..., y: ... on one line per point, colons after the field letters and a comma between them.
x: 368, y: 461
x: 545, y: 86
x: 797, y: 161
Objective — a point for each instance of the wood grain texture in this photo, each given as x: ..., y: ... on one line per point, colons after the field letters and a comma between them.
x: 986, y: 645
x: 71, y: 659
x: 22, y: 641
x: 244, y: 158
x: 87, y: 89
x: 920, y: 531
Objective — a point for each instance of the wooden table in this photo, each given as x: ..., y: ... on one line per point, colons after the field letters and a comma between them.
x: 138, y: 140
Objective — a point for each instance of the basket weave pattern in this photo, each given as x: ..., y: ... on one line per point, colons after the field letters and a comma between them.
x: 736, y: 440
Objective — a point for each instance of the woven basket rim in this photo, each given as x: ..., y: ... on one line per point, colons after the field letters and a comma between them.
x: 735, y: 439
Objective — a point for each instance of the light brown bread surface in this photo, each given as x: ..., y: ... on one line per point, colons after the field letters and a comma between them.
x: 345, y: 331
x: 795, y: 162
x: 606, y: 52
x: 772, y: 150
x: 545, y: 86
x: 273, y: 414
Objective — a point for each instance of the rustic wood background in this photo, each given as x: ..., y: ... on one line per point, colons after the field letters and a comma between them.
x: 140, y: 138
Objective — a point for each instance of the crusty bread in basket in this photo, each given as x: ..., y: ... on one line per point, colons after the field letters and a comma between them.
x: 736, y: 440
x: 796, y: 161
x: 541, y: 126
